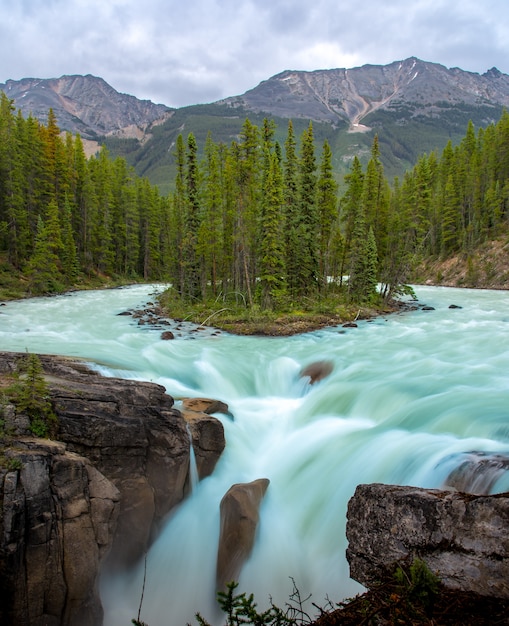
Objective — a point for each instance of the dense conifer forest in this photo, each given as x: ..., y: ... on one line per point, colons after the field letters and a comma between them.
x: 264, y: 224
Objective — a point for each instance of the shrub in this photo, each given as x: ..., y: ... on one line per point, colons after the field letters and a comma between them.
x: 30, y: 394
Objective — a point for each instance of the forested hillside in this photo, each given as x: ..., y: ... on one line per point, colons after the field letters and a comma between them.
x: 264, y: 221
x: 65, y: 218
x: 258, y: 221
x: 413, y: 106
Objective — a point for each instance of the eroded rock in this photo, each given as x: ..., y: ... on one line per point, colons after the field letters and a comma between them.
x: 462, y: 538
x: 93, y: 498
x: 239, y: 521
x: 477, y: 471
x: 205, y: 405
x: 59, y: 518
x: 317, y: 371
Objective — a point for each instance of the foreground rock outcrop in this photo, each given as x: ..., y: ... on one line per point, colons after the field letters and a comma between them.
x: 93, y: 499
x: 462, y: 538
x: 59, y: 518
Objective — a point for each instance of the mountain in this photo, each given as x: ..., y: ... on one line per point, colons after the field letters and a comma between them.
x: 414, y: 106
x: 85, y: 105
x: 408, y: 89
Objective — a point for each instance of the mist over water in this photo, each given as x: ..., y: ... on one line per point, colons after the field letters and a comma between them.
x: 410, y: 395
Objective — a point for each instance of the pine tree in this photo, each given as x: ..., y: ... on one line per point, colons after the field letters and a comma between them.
x: 32, y: 397
x: 210, y: 231
x: 363, y: 262
x: 351, y: 202
x: 192, y: 222
x: 79, y: 186
x: 178, y: 211
x: 307, y: 268
x: 68, y: 255
x: 395, y: 266
x: 291, y: 198
x: 327, y: 212
x: 16, y: 226
x: 375, y: 197
x: 450, y: 218
x: 272, y: 281
x: 247, y: 159
x: 43, y: 269
x: 100, y: 213
x: 149, y: 207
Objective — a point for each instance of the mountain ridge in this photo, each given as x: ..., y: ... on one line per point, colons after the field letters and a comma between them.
x: 75, y: 99
x: 413, y: 106
x: 352, y: 94
x: 331, y: 95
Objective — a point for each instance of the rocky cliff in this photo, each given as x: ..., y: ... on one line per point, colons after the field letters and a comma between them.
x: 94, y: 498
x: 462, y: 538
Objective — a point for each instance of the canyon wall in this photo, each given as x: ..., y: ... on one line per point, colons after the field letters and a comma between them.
x: 94, y: 497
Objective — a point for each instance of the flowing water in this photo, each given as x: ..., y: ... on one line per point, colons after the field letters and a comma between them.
x: 409, y: 397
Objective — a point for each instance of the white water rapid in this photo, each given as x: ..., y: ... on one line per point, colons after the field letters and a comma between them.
x: 409, y: 395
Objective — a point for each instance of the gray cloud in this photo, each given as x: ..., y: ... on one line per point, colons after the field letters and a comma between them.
x: 198, y: 51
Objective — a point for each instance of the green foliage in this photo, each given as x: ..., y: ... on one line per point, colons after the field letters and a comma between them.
x: 64, y: 217
x: 30, y: 395
x: 252, y: 213
x: 240, y: 608
x: 11, y: 464
x: 419, y: 585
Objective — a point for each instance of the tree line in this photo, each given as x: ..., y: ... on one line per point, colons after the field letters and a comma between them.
x: 269, y: 223
x: 64, y: 216
x: 264, y: 223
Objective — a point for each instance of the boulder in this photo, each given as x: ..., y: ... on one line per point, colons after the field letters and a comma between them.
x: 206, y: 435
x: 462, y: 538
x: 205, y: 405
x: 132, y: 434
x: 317, y: 371
x: 477, y: 471
x: 239, y: 521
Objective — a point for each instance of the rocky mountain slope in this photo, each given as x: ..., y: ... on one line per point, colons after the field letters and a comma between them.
x: 408, y: 88
x: 414, y: 106
x: 85, y: 105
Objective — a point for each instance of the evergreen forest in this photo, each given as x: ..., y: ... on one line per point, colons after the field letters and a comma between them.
x: 263, y: 224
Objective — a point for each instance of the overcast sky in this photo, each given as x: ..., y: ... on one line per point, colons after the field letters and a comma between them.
x: 180, y: 52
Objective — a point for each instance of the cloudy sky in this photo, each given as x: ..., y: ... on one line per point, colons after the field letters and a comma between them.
x: 180, y: 52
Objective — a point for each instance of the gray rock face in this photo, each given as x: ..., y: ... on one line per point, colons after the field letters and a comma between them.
x: 93, y: 499
x: 352, y: 94
x: 59, y: 516
x: 85, y: 105
x: 463, y: 538
x: 239, y: 520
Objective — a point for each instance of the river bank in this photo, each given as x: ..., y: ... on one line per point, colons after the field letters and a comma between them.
x: 283, y: 325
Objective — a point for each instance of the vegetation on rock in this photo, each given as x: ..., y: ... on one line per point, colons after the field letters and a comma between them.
x: 29, y: 394
x: 413, y: 595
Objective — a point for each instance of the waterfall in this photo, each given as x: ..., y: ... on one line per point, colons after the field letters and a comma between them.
x: 418, y: 398
x: 193, y: 468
